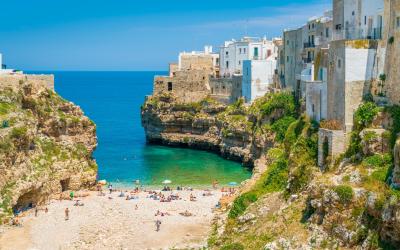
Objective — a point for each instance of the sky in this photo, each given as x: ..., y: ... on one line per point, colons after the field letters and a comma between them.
x: 135, y: 34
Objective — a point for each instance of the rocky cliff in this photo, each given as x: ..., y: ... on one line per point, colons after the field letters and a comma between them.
x: 207, y: 125
x: 46, y: 146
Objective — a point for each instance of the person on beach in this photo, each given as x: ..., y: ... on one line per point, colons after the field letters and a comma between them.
x: 110, y: 188
x: 158, y: 225
x: 46, y: 210
x: 36, y: 211
x: 66, y: 214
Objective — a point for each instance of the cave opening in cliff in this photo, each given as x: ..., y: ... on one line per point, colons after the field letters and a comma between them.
x: 64, y: 184
x: 27, y: 201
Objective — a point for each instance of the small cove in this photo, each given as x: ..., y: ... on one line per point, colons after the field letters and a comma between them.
x: 112, y: 100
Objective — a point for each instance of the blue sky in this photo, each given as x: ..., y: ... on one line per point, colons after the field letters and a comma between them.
x: 133, y: 34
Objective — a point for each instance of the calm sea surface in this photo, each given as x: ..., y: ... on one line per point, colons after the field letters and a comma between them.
x: 112, y: 100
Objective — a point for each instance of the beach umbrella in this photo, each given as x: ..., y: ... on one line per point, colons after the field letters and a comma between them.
x: 167, y: 182
x: 232, y: 183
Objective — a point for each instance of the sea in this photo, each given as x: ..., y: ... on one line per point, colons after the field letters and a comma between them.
x: 113, y: 100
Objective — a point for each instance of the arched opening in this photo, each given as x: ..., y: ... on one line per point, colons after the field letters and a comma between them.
x: 27, y: 201
x: 64, y: 184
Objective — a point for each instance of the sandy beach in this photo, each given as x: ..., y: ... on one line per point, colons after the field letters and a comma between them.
x: 112, y: 222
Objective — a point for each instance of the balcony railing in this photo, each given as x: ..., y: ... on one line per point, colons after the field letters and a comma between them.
x: 309, y: 45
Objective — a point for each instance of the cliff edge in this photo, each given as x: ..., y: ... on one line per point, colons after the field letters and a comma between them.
x: 46, y: 146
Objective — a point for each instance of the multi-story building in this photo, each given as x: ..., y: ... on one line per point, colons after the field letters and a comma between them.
x: 233, y: 53
x: 293, y: 44
x: 357, y: 19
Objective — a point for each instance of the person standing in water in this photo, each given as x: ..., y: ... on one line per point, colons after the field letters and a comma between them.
x: 66, y: 214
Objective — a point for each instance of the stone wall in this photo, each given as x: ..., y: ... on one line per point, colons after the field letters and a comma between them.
x: 197, y: 62
x: 173, y: 68
x: 187, y: 86
x: 392, y: 62
x: 336, y: 145
x: 15, y: 80
x: 226, y: 90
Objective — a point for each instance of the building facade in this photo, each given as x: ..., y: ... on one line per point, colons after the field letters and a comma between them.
x: 233, y: 53
x: 258, y: 78
x: 358, y: 19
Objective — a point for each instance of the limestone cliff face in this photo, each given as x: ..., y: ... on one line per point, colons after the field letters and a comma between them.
x: 206, y: 125
x: 46, y: 146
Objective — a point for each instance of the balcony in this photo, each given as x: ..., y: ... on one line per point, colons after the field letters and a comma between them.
x: 309, y: 45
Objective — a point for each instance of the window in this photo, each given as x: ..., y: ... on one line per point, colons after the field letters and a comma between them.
x: 353, y: 13
x: 169, y: 86
x: 227, y: 53
x: 269, y: 53
x: 240, y: 51
x: 312, y: 26
x: 365, y: 20
x: 287, y: 42
x: 398, y: 22
x: 256, y: 52
x: 287, y: 58
x: 240, y: 62
x: 227, y: 64
x: 338, y: 26
x: 327, y: 32
x: 339, y: 63
x: 309, y: 27
x: 244, y: 50
x: 313, y: 108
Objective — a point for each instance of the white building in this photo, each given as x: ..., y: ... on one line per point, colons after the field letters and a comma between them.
x: 3, y: 68
x: 234, y: 53
x: 358, y: 19
x: 257, y: 78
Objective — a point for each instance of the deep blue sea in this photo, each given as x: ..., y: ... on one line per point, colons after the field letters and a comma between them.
x: 112, y: 100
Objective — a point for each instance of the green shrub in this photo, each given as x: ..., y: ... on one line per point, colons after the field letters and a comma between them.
x: 280, y: 127
x: 344, y: 192
x: 284, y: 101
x: 233, y: 246
x: 18, y: 133
x: 241, y: 203
x: 277, y: 176
x: 365, y: 114
x: 391, y: 40
x: 377, y: 161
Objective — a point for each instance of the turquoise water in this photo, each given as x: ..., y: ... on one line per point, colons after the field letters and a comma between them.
x: 112, y: 100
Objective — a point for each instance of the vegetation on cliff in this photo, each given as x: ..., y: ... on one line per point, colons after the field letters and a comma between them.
x: 46, y: 147
x: 294, y: 203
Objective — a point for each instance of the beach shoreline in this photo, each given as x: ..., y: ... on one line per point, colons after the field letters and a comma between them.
x: 110, y: 221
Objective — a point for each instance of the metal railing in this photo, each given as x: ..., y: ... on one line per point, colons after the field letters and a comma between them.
x: 309, y: 45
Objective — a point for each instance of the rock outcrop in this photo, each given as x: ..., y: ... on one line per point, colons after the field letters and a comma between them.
x: 205, y: 125
x: 46, y: 146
